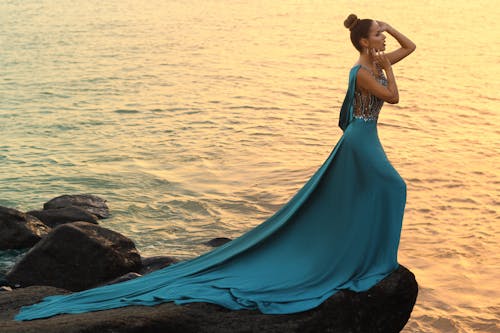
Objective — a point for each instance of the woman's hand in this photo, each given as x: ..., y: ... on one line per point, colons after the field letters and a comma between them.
x: 383, y: 26
x: 407, y: 46
x: 381, y: 59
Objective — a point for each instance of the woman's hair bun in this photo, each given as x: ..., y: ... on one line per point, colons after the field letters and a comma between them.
x: 351, y: 21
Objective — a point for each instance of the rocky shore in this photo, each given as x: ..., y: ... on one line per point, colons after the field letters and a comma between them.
x: 70, y: 251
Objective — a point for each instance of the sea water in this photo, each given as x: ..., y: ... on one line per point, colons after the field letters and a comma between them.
x: 199, y: 119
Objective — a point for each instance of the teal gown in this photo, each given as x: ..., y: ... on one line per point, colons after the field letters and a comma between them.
x: 341, y: 230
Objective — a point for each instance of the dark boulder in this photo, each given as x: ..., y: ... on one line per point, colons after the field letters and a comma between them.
x: 88, y: 202
x: 385, y: 308
x: 155, y: 263
x: 76, y: 256
x: 19, y: 230
x: 216, y: 242
x: 55, y: 217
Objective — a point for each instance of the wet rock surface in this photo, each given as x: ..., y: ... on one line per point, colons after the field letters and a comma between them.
x: 385, y: 308
x: 57, y: 216
x: 76, y: 256
x: 219, y: 241
x: 88, y: 202
x: 155, y: 263
x: 19, y: 230
x: 80, y: 255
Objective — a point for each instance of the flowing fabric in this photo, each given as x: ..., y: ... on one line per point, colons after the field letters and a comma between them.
x: 341, y: 230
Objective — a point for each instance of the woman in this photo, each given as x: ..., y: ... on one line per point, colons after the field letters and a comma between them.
x: 340, y: 231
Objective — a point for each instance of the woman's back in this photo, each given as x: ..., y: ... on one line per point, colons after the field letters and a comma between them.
x: 366, y: 105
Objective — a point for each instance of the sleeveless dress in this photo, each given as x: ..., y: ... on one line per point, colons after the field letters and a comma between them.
x: 341, y: 230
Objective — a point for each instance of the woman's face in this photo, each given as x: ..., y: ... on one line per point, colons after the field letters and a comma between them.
x: 376, y: 39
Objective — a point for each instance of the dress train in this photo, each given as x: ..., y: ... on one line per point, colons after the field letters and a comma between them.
x: 341, y: 230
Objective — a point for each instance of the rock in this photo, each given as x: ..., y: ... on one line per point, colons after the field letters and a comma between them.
x: 88, y: 202
x: 215, y: 242
x: 19, y: 230
x: 5, y: 288
x: 55, y: 217
x: 124, y: 277
x: 155, y: 263
x: 385, y: 308
x: 76, y: 256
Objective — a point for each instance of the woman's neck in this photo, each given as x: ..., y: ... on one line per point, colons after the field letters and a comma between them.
x: 366, y: 60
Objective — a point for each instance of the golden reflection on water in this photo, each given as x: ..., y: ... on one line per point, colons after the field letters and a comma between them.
x: 441, y: 136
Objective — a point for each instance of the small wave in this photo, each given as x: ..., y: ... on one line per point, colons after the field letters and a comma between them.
x: 187, y: 110
x: 92, y: 123
x: 227, y: 77
x: 445, y: 207
x: 8, y: 258
x: 63, y: 127
x: 188, y: 207
x: 263, y: 134
x: 446, y: 325
x: 287, y: 93
x: 398, y: 126
x: 253, y: 107
x: 464, y: 200
x: 436, y: 180
x: 449, y: 253
x: 47, y: 93
x: 126, y: 111
x: 454, y: 185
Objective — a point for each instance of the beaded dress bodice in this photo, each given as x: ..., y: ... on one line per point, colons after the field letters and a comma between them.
x: 366, y: 105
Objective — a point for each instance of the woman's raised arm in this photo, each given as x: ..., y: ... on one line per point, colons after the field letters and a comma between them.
x: 407, y: 46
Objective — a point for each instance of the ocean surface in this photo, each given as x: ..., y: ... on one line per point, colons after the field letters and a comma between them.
x: 199, y: 119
